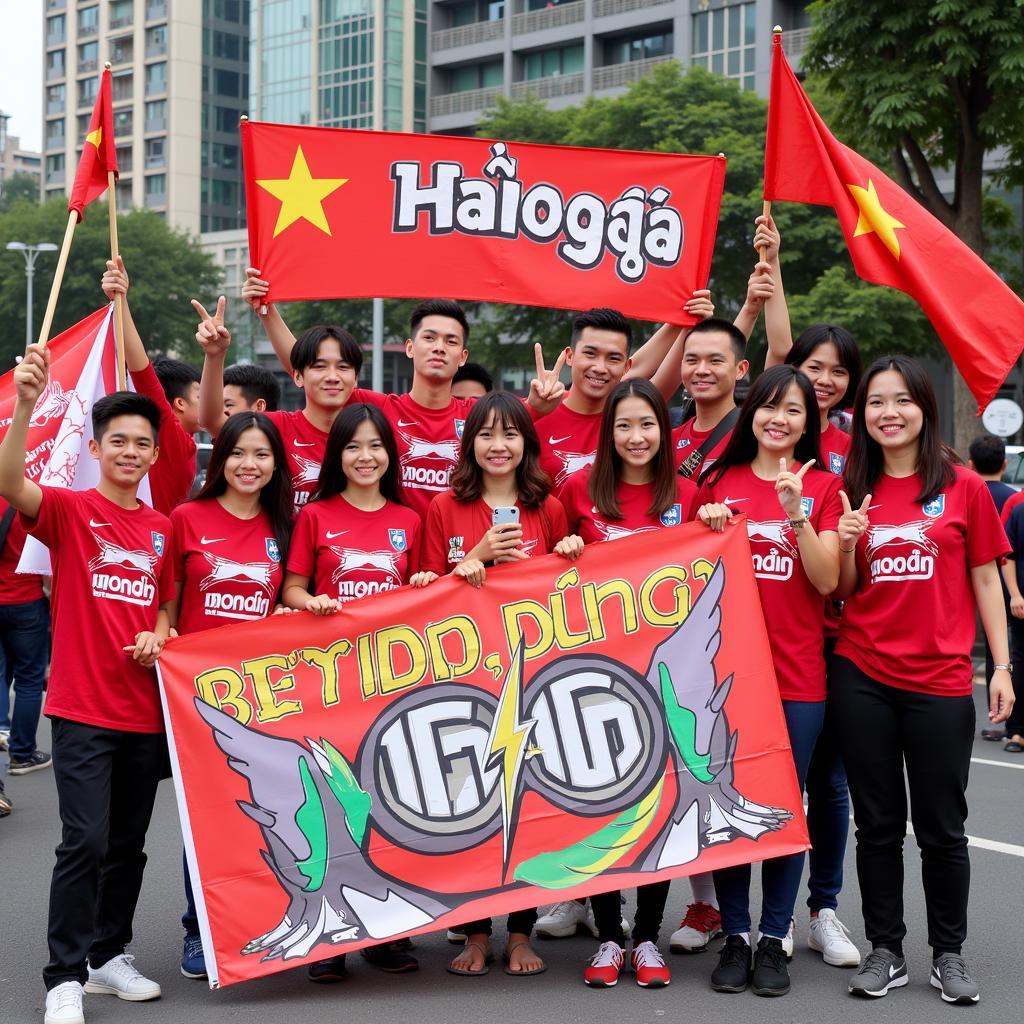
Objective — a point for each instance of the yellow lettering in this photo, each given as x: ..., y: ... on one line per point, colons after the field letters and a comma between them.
x: 268, y: 708
x: 388, y: 642
x: 367, y: 674
x: 622, y: 590
x: 529, y: 611
x: 564, y: 636
x: 326, y: 661
x: 702, y: 569
x: 444, y: 669
x: 223, y: 687
x: 681, y: 593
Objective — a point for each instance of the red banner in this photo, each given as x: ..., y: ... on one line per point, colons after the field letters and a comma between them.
x: 397, y: 768
x: 337, y: 213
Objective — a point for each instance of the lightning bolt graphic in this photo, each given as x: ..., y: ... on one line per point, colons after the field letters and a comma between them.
x: 507, y: 744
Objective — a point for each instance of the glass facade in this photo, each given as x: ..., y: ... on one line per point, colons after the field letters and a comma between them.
x: 638, y: 46
x: 347, y: 39
x: 724, y: 42
x: 284, y: 39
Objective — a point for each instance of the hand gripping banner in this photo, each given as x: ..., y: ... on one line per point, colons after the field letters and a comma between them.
x: 424, y: 758
x: 338, y: 213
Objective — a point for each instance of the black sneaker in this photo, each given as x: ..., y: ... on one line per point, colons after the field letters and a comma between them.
x: 6, y: 806
x: 388, y: 957
x: 733, y: 971
x: 326, y: 972
x: 771, y: 975
x: 951, y: 977
x: 39, y: 759
x: 879, y: 971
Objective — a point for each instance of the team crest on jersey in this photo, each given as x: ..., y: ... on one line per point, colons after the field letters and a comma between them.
x: 934, y: 508
x: 456, y: 552
x: 273, y: 551
x: 672, y: 516
x: 397, y: 538
x: 158, y: 541
x: 836, y: 463
x: 459, y: 426
x: 683, y: 442
x: 806, y: 504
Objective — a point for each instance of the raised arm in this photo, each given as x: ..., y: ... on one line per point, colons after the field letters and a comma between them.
x: 657, y: 360
x: 30, y: 377
x: 776, y: 312
x: 254, y: 291
x: 213, y: 338
x: 115, y: 282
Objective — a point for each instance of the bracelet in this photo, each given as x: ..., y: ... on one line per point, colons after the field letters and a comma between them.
x: 1003, y: 668
x: 798, y: 523
x: 847, y: 551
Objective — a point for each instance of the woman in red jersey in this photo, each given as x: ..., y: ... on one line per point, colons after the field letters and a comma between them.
x: 768, y: 474
x: 633, y: 487
x: 913, y: 573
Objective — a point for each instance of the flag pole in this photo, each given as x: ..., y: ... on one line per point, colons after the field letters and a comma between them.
x: 122, y: 382
x: 58, y: 278
x: 766, y: 205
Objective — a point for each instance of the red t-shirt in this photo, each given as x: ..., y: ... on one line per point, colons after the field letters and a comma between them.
x: 568, y: 444
x: 634, y: 501
x: 685, y: 438
x: 305, y: 445
x: 111, y: 572
x: 347, y: 552
x: 229, y: 568
x: 794, y: 611
x: 835, y: 446
x: 1009, y: 505
x: 910, y: 622
x: 453, y: 528
x: 16, y: 588
x: 174, y: 472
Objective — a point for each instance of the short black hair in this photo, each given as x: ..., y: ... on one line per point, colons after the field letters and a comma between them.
x: 306, y: 349
x: 988, y: 453
x: 474, y: 371
x: 176, y: 377
x: 123, y: 403
x: 255, y: 382
x: 716, y: 325
x: 602, y: 319
x: 438, y: 307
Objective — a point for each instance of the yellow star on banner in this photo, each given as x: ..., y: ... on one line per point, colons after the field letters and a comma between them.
x: 301, y: 195
x: 874, y: 218
x: 95, y: 136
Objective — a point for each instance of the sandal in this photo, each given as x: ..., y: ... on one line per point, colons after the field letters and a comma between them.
x: 485, y: 969
x: 507, y: 958
x: 1014, y: 746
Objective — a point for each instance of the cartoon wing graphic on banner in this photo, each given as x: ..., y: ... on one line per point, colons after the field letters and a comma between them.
x: 313, y: 816
x: 708, y: 808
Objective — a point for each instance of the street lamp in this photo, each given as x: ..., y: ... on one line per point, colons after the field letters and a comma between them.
x: 30, y: 252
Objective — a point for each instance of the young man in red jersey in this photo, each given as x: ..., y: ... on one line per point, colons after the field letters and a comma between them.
x: 112, y: 584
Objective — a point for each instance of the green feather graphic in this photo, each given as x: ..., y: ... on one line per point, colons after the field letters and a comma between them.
x: 355, y: 801
x: 312, y: 822
x: 598, y: 852
x: 682, y: 723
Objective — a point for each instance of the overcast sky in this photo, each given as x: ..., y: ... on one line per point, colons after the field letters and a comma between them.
x: 21, y: 69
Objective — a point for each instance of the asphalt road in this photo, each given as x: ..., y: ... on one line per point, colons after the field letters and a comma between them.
x: 28, y: 837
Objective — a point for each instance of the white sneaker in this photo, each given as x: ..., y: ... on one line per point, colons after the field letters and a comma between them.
x: 455, y: 937
x: 831, y: 938
x: 5, y: 739
x: 64, y: 1004
x: 118, y: 977
x: 700, y: 924
x: 787, y: 942
x: 566, y: 919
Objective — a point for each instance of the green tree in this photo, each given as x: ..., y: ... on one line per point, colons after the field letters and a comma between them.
x: 18, y: 188
x: 166, y: 266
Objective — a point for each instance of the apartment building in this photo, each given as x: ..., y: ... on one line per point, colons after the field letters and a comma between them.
x: 13, y: 158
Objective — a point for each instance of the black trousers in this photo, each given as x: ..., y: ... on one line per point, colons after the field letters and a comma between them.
x: 650, y: 909
x: 106, y: 786
x: 519, y: 921
x: 882, y: 731
x: 1015, y: 723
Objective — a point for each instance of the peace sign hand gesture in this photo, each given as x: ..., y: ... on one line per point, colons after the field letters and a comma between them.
x: 790, y: 487
x: 212, y: 335
x: 546, y: 390
x: 853, y: 523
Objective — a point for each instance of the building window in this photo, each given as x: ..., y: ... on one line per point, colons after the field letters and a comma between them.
x: 476, y: 76
x: 156, y: 152
x: 55, y: 169
x: 156, y: 116
x: 121, y: 86
x: 87, y: 90
x: 155, y: 189
x: 121, y: 50
x: 55, y: 64
x: 89, y: 21
x: 227, y: 10
x: 156, y: 78
x: 723, y: 42
x: 56, y: 97
x: 224, y: 155
x: 124, y: 160
x: 559, y: 60
x: 638, y: 46
x: 55, y: 134
x: 88, y: 56
x: 123, y: 122
x: 156, y: 41
x: 121, y: 13
x: 56, y: 29
x: 469, y: 12
x: 83, y: 127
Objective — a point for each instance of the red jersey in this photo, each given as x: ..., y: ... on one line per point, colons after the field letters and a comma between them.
x: 794, y: 610
x: 568, y: 443
x: 16, y: 588
x: 174, y: 472
x: 229, y: 568
x: 686, y: 439
x: 1009, y: 505
x: 454, y: 528
x: 347, y: 552
x: 305, y: 445
x: 111, y: 572
x: 835, y: 446
x: 910, y: 622
x: 634, y: 501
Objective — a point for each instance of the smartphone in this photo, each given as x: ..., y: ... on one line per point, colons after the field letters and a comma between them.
x: 505, y: 515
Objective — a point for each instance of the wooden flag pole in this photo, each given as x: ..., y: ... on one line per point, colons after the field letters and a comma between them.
x: 766, y: 206
x: 118, y: 298
x: 58, y: 278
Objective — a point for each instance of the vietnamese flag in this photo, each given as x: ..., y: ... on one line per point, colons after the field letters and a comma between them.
x: 893, y: 240
x: 98, y: 154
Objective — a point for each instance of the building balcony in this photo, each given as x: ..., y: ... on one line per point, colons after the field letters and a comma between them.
x: 156, y: 199
x: 55, y: 177
x: 156, y: 124
x: 55, y: 107
x: 606, y: 8
x: 612, y: 76
x: 156, y: 10
x: 466, y: 35
x: 52, y: 73
x: 85, y: 66
x: 795, y: 43
x: 550, y: 87
x: 551, y: 17
x: 56, y: 5
x: 56, y: 38
x: 156, y: 50
x: 122, y: 22
x: 464, y: 102
x: 155, y: 163
x: 156, y: 88
x: 55, y: 142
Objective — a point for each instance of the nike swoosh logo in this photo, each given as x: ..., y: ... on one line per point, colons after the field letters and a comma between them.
x: 211, y: 540
x: 733, y: 501
x: 331, y: 536
x: 407, y: 423
x: 894, y: 970
x: 303, y: 444
x: 94, y: 524
x: 558, y: 440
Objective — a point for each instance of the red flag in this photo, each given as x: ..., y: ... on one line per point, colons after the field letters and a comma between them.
x: 99, y: 154
x: 893, y: 240
x: 335, y: 213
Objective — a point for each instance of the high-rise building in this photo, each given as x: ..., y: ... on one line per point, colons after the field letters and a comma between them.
x: 14, y: 159
x: 180, y: 83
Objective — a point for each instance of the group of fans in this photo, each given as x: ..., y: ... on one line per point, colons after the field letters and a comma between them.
x: 873, y: 550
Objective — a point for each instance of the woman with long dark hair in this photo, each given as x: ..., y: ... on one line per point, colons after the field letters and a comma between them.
x: 240, y: 520
x: 633, y: 487
x: 767, y: 472
x: 913, y: 573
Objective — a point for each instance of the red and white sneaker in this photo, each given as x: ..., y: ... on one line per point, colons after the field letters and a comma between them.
x: 649, y: 966
x: 605, y: 966
x: 701, y: 924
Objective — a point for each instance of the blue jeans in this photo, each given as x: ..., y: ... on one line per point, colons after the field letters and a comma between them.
x: 24, y: 655
x: 780, y: 876
x: 190, y: 919
x: 828, y: 819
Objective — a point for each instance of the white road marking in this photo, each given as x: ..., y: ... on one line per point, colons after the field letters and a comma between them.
x: 995, y: 845
x: 997, y: 764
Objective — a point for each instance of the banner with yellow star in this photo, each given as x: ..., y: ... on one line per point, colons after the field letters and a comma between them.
x: 337, y: 213
x: 99, y: 154
x: 893, y: 239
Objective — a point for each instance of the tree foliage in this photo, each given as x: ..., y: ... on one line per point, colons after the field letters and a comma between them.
x: 19, y: 187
